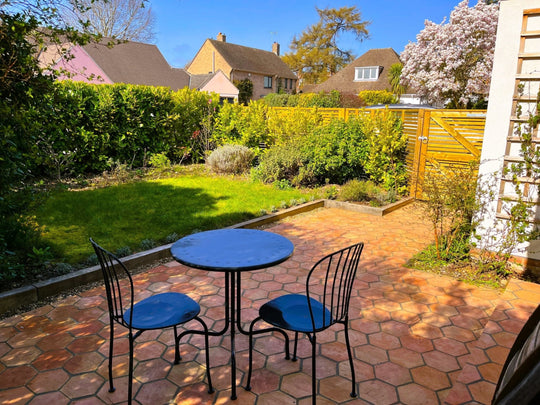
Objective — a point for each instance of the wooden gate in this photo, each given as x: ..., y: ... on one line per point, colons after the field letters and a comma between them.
x: 446, y: 138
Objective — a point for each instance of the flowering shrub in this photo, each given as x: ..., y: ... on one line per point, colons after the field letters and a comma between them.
x: 452, y: 62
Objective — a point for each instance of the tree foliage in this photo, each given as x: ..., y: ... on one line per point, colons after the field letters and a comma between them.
x: 316, y: 55
x: 451, y: 62
x: 120, y: 19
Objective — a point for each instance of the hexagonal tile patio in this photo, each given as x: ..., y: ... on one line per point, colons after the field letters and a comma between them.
x: 417, y: 338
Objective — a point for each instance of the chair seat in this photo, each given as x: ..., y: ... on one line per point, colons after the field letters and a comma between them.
x: 162, y: 311
x: 291, y: 312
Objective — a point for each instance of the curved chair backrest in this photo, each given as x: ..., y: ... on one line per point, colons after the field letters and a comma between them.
x: 330, y: 282
x: 110, y: 267
x: 520, y: 376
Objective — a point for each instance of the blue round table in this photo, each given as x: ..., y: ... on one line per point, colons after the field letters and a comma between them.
x: 232, y: 251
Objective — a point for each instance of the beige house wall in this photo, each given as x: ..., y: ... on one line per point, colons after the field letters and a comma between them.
x: 259, y: 91
x: 208, y: 60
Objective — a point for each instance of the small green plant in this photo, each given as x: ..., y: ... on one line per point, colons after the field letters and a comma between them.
x: 172, y: 237
x: 63, y: 268
x: 92, y: 260
x: 283, y: 205
x: 41, y: 256
x: 263, y: 212
x: 159, y: 161
x: 123, y: 251
x: 282, y: 184
x: 330, y: 192
x: 147, y: 244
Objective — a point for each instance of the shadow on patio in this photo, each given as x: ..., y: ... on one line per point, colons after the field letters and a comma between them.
x: 418, y: 338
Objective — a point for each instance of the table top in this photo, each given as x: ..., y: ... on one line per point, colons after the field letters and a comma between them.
x: 232, y: 249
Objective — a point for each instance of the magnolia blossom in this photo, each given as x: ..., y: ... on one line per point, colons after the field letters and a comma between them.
x: 451, y: 62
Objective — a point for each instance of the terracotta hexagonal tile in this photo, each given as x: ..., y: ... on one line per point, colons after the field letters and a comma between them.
x: 297, y: 385
x: 187, y: 373
x: 274, y: 398
x: 392, y: 373
x: 20, y: 356
x: 52, y: 398
x: 16, y: 376
x: 377, y: 392
x: 441, y: 361
x: 84, y: 362
x: 406, y: 357
x: 51, y: 359
x: 384, y: 340
x: 414, y: 394
x: 336, y: 389
x: 82, y: 385
x: 19, y: 395
x: 430, y: 378
x: 48, y: 381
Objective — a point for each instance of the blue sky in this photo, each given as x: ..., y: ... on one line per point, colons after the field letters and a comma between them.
x: 183, y: 25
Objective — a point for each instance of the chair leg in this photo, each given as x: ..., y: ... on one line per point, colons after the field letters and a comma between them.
x: 314, y: 369
x: 207, y: 350
x: 177, y: 357
x: 351, y: 363
x: 130, y: 378
x: 111, y: 347
x: 294, y: 358
x: 250, y: 357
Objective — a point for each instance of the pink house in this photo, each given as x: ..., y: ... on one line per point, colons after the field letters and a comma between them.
x: 126, y: 62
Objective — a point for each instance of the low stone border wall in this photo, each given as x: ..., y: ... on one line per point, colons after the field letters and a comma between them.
x: 13, y: 299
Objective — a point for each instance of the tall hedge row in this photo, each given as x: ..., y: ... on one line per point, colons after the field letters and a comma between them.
x: 82, y: 127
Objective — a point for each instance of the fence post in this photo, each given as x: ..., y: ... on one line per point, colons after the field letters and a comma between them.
x: 419, y: 161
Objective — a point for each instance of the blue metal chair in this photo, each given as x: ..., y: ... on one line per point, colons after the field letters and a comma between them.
x: 326, y: 302
x: 155, y: 312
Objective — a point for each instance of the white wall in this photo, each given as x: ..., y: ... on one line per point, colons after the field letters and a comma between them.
x: 499, y: 109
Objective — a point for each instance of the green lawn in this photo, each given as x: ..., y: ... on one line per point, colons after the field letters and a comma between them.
x: 124, y: 215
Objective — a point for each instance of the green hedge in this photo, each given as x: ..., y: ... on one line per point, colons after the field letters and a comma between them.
x: 82, y: 128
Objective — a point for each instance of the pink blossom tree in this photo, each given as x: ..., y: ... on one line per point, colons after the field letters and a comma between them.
x: 451, y: 63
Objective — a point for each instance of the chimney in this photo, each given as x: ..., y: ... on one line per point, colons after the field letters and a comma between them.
x: 275, y: 48
x: 221, y: 37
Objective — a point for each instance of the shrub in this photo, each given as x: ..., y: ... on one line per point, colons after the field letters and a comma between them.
x: 289, y: 125
x: 236, y: 124
x: 374, y: 97
x: 276, y: 100
x: 322, y: 99
x: 336, y: 152
x: 385, y: 161
x: 282, y: 163
x: 230, y: 159
x: 159, y: 161
x: 358, y: 190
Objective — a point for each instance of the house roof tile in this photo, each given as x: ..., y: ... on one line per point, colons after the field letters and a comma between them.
x: 253, y: 60
x: 343, y: 81
x: 136, y: 63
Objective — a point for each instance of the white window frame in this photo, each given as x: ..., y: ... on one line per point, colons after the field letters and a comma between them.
x: 366, y: 73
